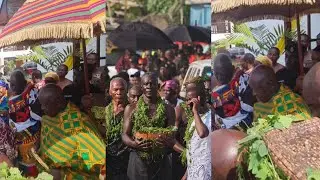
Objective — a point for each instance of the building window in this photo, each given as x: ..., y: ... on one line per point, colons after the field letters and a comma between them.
x: 14, y: 48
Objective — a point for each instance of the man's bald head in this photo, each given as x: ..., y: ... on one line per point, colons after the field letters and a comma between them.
x: 134, y: 94
x: 118, y: 80
x: 169, y: 54
x: 311, y: 89
x: 264, y: 83
x: 52, y: 100
x: 17, y: 82
x: 118, y: 89
x: 223, y: 68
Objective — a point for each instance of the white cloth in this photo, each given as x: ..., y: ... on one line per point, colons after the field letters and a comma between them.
x: 132, y: 71
x: 21, y: 126
x: 199, y: 153
x: 229, y: 122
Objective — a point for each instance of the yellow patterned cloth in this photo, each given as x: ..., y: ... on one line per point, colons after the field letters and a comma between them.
x: 285, y: 102
x: 71, y: 142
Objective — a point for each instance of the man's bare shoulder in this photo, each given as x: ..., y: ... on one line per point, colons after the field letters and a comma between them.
x: 130, y: 108
x: 169, y: 109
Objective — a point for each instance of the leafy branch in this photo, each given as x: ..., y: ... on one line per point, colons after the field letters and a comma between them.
x: 255, y: 152
x: 48, y: 57
x: 258, y: 39
x: 13, y: 173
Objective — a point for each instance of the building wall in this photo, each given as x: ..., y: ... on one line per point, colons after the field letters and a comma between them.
x: 200, y: 15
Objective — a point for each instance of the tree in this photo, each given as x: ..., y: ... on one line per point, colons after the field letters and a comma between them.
x: 48, y: 57
x: 258, y: 40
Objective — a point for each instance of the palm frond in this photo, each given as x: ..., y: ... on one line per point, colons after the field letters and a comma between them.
x: 48, y: 57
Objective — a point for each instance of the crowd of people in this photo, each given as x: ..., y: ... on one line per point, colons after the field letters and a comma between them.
x: 51, y: 124
x: 145, y: 94
x: 260, y: 86
x: 257, y: 88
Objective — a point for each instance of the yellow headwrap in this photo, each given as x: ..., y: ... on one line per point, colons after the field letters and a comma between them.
x: 52, y: 75
x: 264, y: 60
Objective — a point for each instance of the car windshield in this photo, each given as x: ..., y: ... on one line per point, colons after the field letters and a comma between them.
x: 207, y: 72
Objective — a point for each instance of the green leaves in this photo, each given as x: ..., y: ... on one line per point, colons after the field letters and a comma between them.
x: 258, y: 39
x: 48, y: 57
x: 257, y: 155
x: 313, y: 174
x: 13, y: 173
x: 263, y: 151
x: 283, y: 122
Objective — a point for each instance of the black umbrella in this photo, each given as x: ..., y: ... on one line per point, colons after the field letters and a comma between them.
x: 139, y: 36
x: 183, y: 33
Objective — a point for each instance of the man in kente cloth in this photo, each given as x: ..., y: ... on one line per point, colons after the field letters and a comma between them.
x: 24, y: 117
x: 275, y: 98
x: 70, y: 144
x: 149, y: 111
x: 117, y: 152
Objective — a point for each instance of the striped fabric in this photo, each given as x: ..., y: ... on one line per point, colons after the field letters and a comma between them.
x: 54, y: 19
x: 285, y: 102
x: 71, y: 142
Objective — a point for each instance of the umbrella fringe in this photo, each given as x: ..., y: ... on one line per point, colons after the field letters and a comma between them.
x: 220, y: 6
x: 224, y: 16
x: 254, y: 18
x: 53, y: 31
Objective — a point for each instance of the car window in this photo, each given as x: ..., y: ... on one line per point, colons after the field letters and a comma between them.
x: 207, y: 71
x: 198, y: 73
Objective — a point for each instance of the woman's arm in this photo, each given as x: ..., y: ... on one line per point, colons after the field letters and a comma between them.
x: 201, y: 128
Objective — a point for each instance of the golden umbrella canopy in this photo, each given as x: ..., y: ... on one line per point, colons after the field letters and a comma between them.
x: 249, y: 10
x: 54, y: 20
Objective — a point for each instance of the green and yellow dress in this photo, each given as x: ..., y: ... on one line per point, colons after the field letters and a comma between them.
x: 71, y: 142
x: 285, y: 102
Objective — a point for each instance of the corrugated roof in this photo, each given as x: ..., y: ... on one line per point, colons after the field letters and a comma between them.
x: 190, y: 2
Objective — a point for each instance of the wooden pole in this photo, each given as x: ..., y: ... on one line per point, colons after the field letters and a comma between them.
x: 299, y: 45
x: 309, y: 27
x: 76, y: 60
x: 181, y: 12
x: 98, y: 48
x: 85, y: 67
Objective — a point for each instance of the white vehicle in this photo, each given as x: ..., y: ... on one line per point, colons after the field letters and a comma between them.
x: 198, y: 68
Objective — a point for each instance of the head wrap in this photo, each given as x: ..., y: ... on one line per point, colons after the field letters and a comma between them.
x: 142, y: 61
x: 4, y: 84
x: 170, y: 84
x: 264, y: 60
x: 52, y: 75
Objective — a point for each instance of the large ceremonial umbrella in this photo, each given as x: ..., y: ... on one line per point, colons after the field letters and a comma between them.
x: 184, y: 33
x: 247, y: 10
x: 55, y: 20
x: 138, y: 36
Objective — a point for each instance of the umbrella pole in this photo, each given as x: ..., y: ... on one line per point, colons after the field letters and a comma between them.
x: 98, y: 47
x: 85, y: 67
x: 309, y: 27
x: 299, y: 45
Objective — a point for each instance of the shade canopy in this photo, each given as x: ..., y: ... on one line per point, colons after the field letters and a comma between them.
x: 54, y: 20
x: 248, y: 10
x: 138, y: 36
x: 186, y: 33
